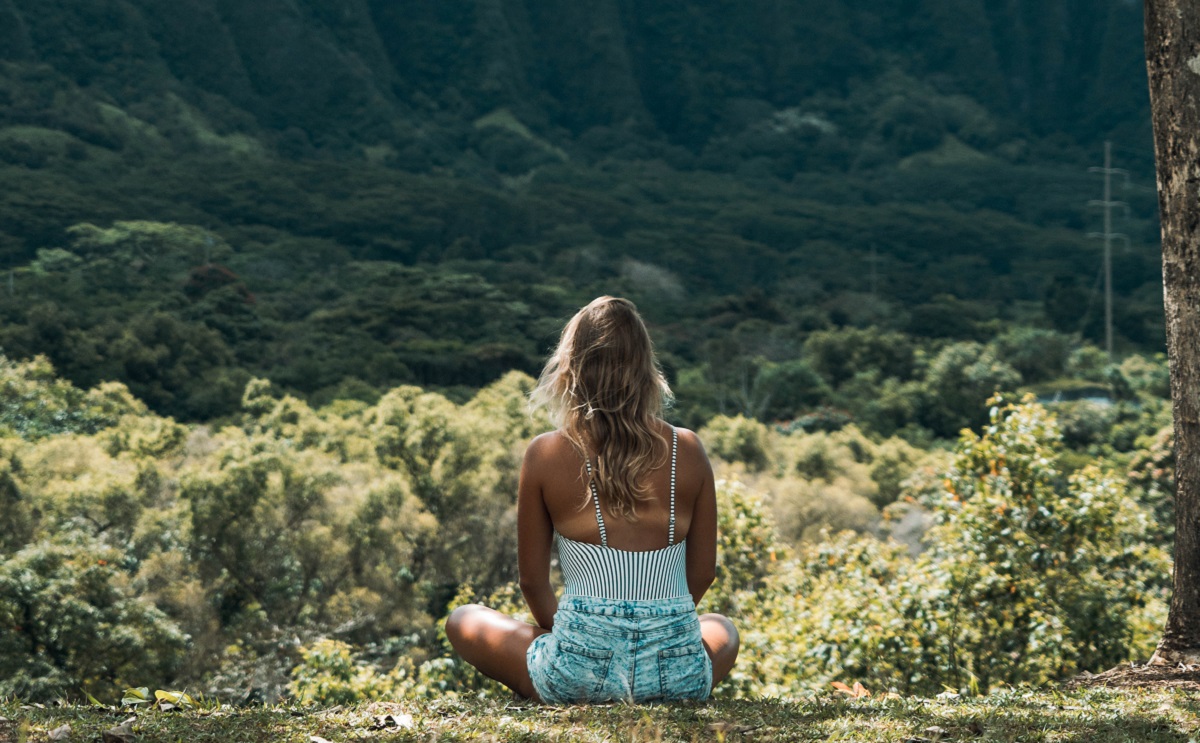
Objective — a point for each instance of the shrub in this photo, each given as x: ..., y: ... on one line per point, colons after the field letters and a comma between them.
x: 73, y: 623
x: 328, y: 674
x: 1028, y: 577
x: 34, y: 403
x: 738, y: 439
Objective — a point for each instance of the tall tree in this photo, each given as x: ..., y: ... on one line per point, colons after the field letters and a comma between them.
x: 1173, y: 62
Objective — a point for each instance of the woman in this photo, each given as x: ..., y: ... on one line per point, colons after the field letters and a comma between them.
x: 630, y: 503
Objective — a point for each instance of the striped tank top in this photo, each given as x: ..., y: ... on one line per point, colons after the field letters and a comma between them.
x: 600, y: 571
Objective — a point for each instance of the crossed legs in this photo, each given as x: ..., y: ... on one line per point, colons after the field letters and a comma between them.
x: 495, y: 644
x: 721, y: 641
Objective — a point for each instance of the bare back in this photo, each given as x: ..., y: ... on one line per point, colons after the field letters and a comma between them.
x: 553, y: 497
x: 567, y: 499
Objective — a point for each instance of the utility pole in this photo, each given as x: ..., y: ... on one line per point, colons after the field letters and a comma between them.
x: 1107, y: 203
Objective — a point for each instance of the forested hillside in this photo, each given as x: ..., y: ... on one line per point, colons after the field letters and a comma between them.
x: 275, y: 275
x: 686, y: 70
x: 332, y: 194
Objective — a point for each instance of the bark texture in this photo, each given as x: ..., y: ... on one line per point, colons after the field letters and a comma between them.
x: 1173, y: 63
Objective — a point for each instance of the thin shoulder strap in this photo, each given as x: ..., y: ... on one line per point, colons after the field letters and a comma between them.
x: 596, y: 495
x: 674, y: 453
x: 596, y: 501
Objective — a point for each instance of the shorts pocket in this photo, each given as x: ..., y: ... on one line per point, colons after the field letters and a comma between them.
x: 683, y: 672
x: 578, y: 673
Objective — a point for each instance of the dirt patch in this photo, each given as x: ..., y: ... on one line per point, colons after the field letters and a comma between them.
x: 1185, y: 678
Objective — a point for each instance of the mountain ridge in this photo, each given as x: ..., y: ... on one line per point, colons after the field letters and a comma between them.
x: 678, y: 69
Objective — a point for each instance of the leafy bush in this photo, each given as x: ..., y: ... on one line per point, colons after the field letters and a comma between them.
x: 960, y: 378
x: 35, y: 403
x: 1028, y: 577
x: 199, y: 555
x: 738, y: 439
x: 74, y: 623
x: 328, y: 674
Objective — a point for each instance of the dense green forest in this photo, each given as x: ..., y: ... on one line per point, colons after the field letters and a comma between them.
x: 274, y: 276
x: 315, y: 551
x: 379, y: 200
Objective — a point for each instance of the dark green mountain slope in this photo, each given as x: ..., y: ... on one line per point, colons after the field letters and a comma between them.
x: 346, y: 196
x: 686, y: 69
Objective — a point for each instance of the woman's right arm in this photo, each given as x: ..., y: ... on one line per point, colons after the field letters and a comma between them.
x: 535, y: 532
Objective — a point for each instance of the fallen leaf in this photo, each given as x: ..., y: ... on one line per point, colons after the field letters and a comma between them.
x: 402, y: 720
x: 169, y: 700
x: 62, y: 732
x: 122, y: 733
x: 934, y: 732
x: 317, y: 739
x: 137, y: 695
x: 857, y: 692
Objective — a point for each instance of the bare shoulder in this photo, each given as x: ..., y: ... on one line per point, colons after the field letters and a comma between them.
x: 690, y: 441
x: 546, y: 446
x: 691, y: 449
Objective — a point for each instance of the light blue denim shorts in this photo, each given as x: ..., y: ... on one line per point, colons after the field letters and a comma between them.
x: 605, y: 650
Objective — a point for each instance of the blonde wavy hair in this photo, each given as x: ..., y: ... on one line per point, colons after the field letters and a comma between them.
x: 605, y: 391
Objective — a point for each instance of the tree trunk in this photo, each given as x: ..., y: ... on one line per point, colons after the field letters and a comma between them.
x: 1173, y: 61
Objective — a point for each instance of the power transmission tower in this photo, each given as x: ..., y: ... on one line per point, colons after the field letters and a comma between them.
x: 1108, y: 235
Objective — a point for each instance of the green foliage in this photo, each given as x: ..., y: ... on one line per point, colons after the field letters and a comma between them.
x: 351, y: 252
x: 960, y: 378
x: 331, y: 673
x: 1061, y: 567
x: 1152, y: 474
x: 1027, y: 577
x: 848, y: 608
x: 328, y: 675
x: 747, y: 547
x: 74, y: 623
x: 299, y: 220
x: 297, y: 520
x: 1036, y: 354
x: 814, y: 482
x: 201, y: 553
x: 738, y: 439
x: 35, y: 403
x: 831, y: 487
x: 842, y: 354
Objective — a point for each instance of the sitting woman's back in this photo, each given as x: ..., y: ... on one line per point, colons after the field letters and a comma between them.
x: 629, y: 502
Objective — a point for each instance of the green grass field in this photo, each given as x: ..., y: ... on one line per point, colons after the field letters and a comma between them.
x: 1091, y: 716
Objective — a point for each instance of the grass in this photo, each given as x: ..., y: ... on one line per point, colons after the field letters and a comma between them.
x: 1089, y: 716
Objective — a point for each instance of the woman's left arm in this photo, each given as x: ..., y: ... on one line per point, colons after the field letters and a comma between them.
x: 702, y: 534
x: 535, y: 532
